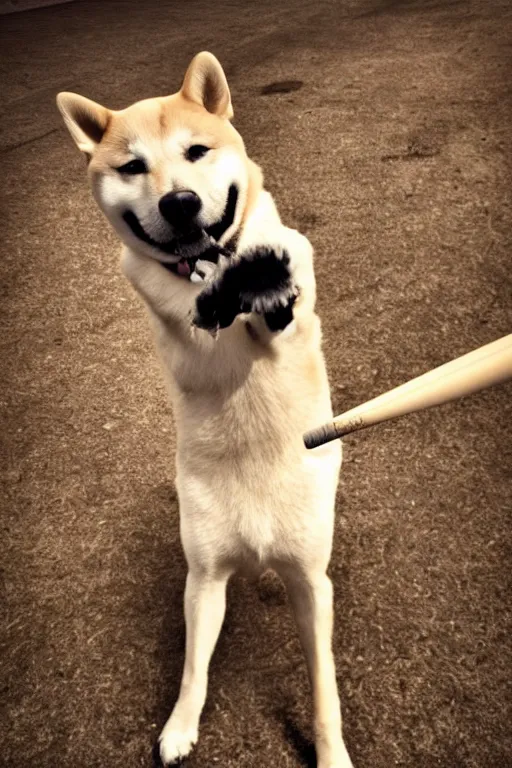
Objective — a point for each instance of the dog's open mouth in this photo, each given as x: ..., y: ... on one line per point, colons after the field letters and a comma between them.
x: 171, y: 247
x: 191, y: 246
x: 188, y: 248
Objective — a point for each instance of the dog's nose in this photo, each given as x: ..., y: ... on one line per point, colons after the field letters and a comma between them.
x: 179, y: 208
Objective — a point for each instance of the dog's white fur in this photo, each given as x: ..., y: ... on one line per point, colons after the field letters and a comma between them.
x: 251, y: 496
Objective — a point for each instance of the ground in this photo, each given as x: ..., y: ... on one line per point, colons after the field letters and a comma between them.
x: 389, y: 146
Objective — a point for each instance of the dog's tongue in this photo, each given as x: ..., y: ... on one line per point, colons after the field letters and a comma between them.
x: 183, y: 268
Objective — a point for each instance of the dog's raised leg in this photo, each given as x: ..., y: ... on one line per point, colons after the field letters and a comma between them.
x: 205, y: 605
x: 311, y: 600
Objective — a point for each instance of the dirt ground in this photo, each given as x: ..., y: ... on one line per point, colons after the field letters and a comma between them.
x: 391, y: 151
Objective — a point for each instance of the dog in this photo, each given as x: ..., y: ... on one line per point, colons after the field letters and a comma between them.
x: 230, y: 293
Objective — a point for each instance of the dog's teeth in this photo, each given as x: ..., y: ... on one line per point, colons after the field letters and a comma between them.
x: 205, y: 269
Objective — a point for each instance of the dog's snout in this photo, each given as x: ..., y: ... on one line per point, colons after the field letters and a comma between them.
x: 179, y: 208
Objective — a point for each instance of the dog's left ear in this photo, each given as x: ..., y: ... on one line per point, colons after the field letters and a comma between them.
x: 205, y: 84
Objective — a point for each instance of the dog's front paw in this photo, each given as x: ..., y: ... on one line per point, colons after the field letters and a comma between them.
x: 175, y: 744
x: 259, y: 281
x: 267, y: 286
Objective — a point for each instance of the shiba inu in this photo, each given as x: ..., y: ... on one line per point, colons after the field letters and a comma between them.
x: 230, y: 293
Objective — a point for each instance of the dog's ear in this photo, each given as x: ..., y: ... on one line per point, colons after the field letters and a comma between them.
x: 205, y: 84
x: 85, y: 120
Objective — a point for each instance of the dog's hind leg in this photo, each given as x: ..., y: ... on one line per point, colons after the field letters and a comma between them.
x: 311, y: 600
x: 205, y: 605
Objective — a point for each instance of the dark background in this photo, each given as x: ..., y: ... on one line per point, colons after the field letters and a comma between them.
x: 392, y: 153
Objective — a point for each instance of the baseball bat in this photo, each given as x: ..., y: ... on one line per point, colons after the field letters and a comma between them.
x: 485, y: 366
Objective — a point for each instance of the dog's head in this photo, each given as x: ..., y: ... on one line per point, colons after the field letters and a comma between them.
x: 166, y: 170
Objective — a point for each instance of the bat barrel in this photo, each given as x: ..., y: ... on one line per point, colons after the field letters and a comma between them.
x: 477, y: 370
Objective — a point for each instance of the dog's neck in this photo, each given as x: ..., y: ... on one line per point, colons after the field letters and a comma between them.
x: 254, y: 188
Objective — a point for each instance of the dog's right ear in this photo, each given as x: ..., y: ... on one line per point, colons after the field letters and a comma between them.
x: 205, y: 84
x: 85, y: 120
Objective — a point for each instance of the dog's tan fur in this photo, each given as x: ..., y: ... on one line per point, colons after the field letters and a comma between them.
x: 251, y: 496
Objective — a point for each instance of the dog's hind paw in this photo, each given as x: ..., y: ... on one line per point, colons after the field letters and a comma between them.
x: 260, y: 281
x: 174, y: 745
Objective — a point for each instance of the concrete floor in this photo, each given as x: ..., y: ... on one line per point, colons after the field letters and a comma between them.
x: 393, y: 156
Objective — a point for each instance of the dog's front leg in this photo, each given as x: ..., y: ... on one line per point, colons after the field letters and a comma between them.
x: 169, y: 297
x: 311, y: 600
x: 205, y: 604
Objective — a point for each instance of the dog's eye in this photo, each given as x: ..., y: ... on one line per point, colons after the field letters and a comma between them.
x: 196, y: 152
x: 133, y: 168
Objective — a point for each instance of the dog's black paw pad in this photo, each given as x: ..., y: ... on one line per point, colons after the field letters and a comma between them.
x: 206, y: 315
x: 266, y: 286
x: 261, y: 270
x: 216, y: 307
x: 280, y: 318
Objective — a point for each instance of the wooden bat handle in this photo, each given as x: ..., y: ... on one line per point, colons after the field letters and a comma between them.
x: 470, y: 373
